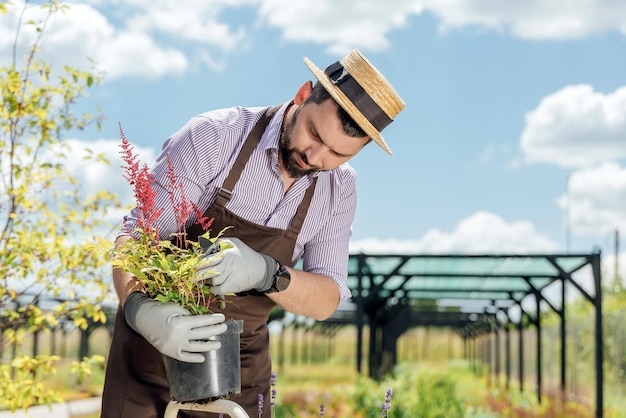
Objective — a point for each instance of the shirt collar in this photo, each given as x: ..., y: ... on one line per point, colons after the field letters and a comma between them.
x: 269, y: 139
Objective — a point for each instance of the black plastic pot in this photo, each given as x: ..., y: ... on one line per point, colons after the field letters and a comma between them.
x: 218, y: 376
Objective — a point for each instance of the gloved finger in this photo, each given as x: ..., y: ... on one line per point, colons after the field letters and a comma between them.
x: 209, y: 261
x: 231, y: 241
x: 217, y: 280
x: 230, y: 245
x: 190, y: 322
x: 199, y: 345
x: 220, y: 297
x: 175, y: 310
x: 212, y: 270
x: 188, y: 357
x: 202, y: 346
x: 219, y: 275
x: 218, y: 291
x: 208, y: 331
x: 227, y: 287
x: 205, y: 274
x: 194, y: 321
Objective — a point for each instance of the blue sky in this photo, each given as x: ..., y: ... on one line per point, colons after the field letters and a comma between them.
x: 514, y: 132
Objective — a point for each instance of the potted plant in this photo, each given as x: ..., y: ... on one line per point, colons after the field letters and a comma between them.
x: 167, y: 269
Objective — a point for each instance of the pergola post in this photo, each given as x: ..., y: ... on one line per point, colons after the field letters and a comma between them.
x: 563, y: 340
x: 538, y: 328
x: 360, y: 313
x: 507, y: 335
x: 597, y: 279
x: 497, y: 352
x: 520, y: 329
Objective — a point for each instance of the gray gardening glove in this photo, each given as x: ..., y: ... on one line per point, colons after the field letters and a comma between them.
x: 171, y: 329
x: 237, y: 269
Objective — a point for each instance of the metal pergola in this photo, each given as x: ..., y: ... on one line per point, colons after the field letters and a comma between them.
x: 467, y: 293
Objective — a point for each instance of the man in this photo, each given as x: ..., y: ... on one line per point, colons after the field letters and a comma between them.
x: 279, y: 179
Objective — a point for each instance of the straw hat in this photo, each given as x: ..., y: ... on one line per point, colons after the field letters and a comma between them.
x: 362, y: 91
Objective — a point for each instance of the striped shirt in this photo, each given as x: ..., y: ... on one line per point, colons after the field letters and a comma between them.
x: 203, y: 152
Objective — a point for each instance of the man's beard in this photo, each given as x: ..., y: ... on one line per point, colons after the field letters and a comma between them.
x: 287, y: 153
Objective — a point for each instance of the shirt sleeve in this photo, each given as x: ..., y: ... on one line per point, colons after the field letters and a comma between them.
x: 328, y: 252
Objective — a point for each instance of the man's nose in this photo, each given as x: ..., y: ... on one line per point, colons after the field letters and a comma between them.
x: 315, y: 155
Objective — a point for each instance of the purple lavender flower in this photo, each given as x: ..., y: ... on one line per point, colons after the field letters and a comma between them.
x: 322, y: 411
x: 273, y: 399
x: 273, y: 383
x: 388, y: 396
x: 260, y: 404
x: 386, y: 406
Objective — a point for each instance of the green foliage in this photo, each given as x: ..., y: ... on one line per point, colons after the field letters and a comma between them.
x: 518, y: 405
x: 285, y: 411
x: 367, y: 397
x: 415, y: 395
x: 21, y: 387
x: 84, y: 369
x: 24, y: 379
x: 167, y: 272
x: 614, y: 312
x: 436, y: 397
x: 45, y: 219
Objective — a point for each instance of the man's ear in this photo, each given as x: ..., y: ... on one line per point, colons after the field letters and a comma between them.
x: 303, y: 93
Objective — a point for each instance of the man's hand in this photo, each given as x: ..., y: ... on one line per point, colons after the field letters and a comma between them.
x: 171, y: 329
x: 237, y: 269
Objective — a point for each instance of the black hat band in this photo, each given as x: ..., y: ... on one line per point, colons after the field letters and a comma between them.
x: 358, y: 96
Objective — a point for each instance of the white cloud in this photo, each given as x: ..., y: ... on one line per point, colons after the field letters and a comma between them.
x: 97, y: 176
x: 366, y: 24
x: 136, y: 54
x: 481, y: 232
x: 532, y: 19
x: 340, y: 25
x: 83, y: 33
x: 156, y: 38
x: 595, y: 200
x: 576, y: 127
x: 195, y: 21
x: 140, y: 39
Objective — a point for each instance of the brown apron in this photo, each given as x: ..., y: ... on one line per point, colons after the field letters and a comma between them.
x: 136, y: 384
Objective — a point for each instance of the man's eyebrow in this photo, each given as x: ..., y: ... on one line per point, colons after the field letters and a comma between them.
x: 316, y: 133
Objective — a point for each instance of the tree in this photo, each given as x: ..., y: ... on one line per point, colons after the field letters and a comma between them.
x: 48, y: 225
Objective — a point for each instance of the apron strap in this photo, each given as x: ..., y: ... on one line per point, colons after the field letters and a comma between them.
x: 298, y: 219
x: 248, y: 148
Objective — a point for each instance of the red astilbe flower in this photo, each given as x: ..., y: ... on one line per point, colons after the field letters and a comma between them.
x: 204, y: 222
x: 184, y: 208
x: 141, y: 180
